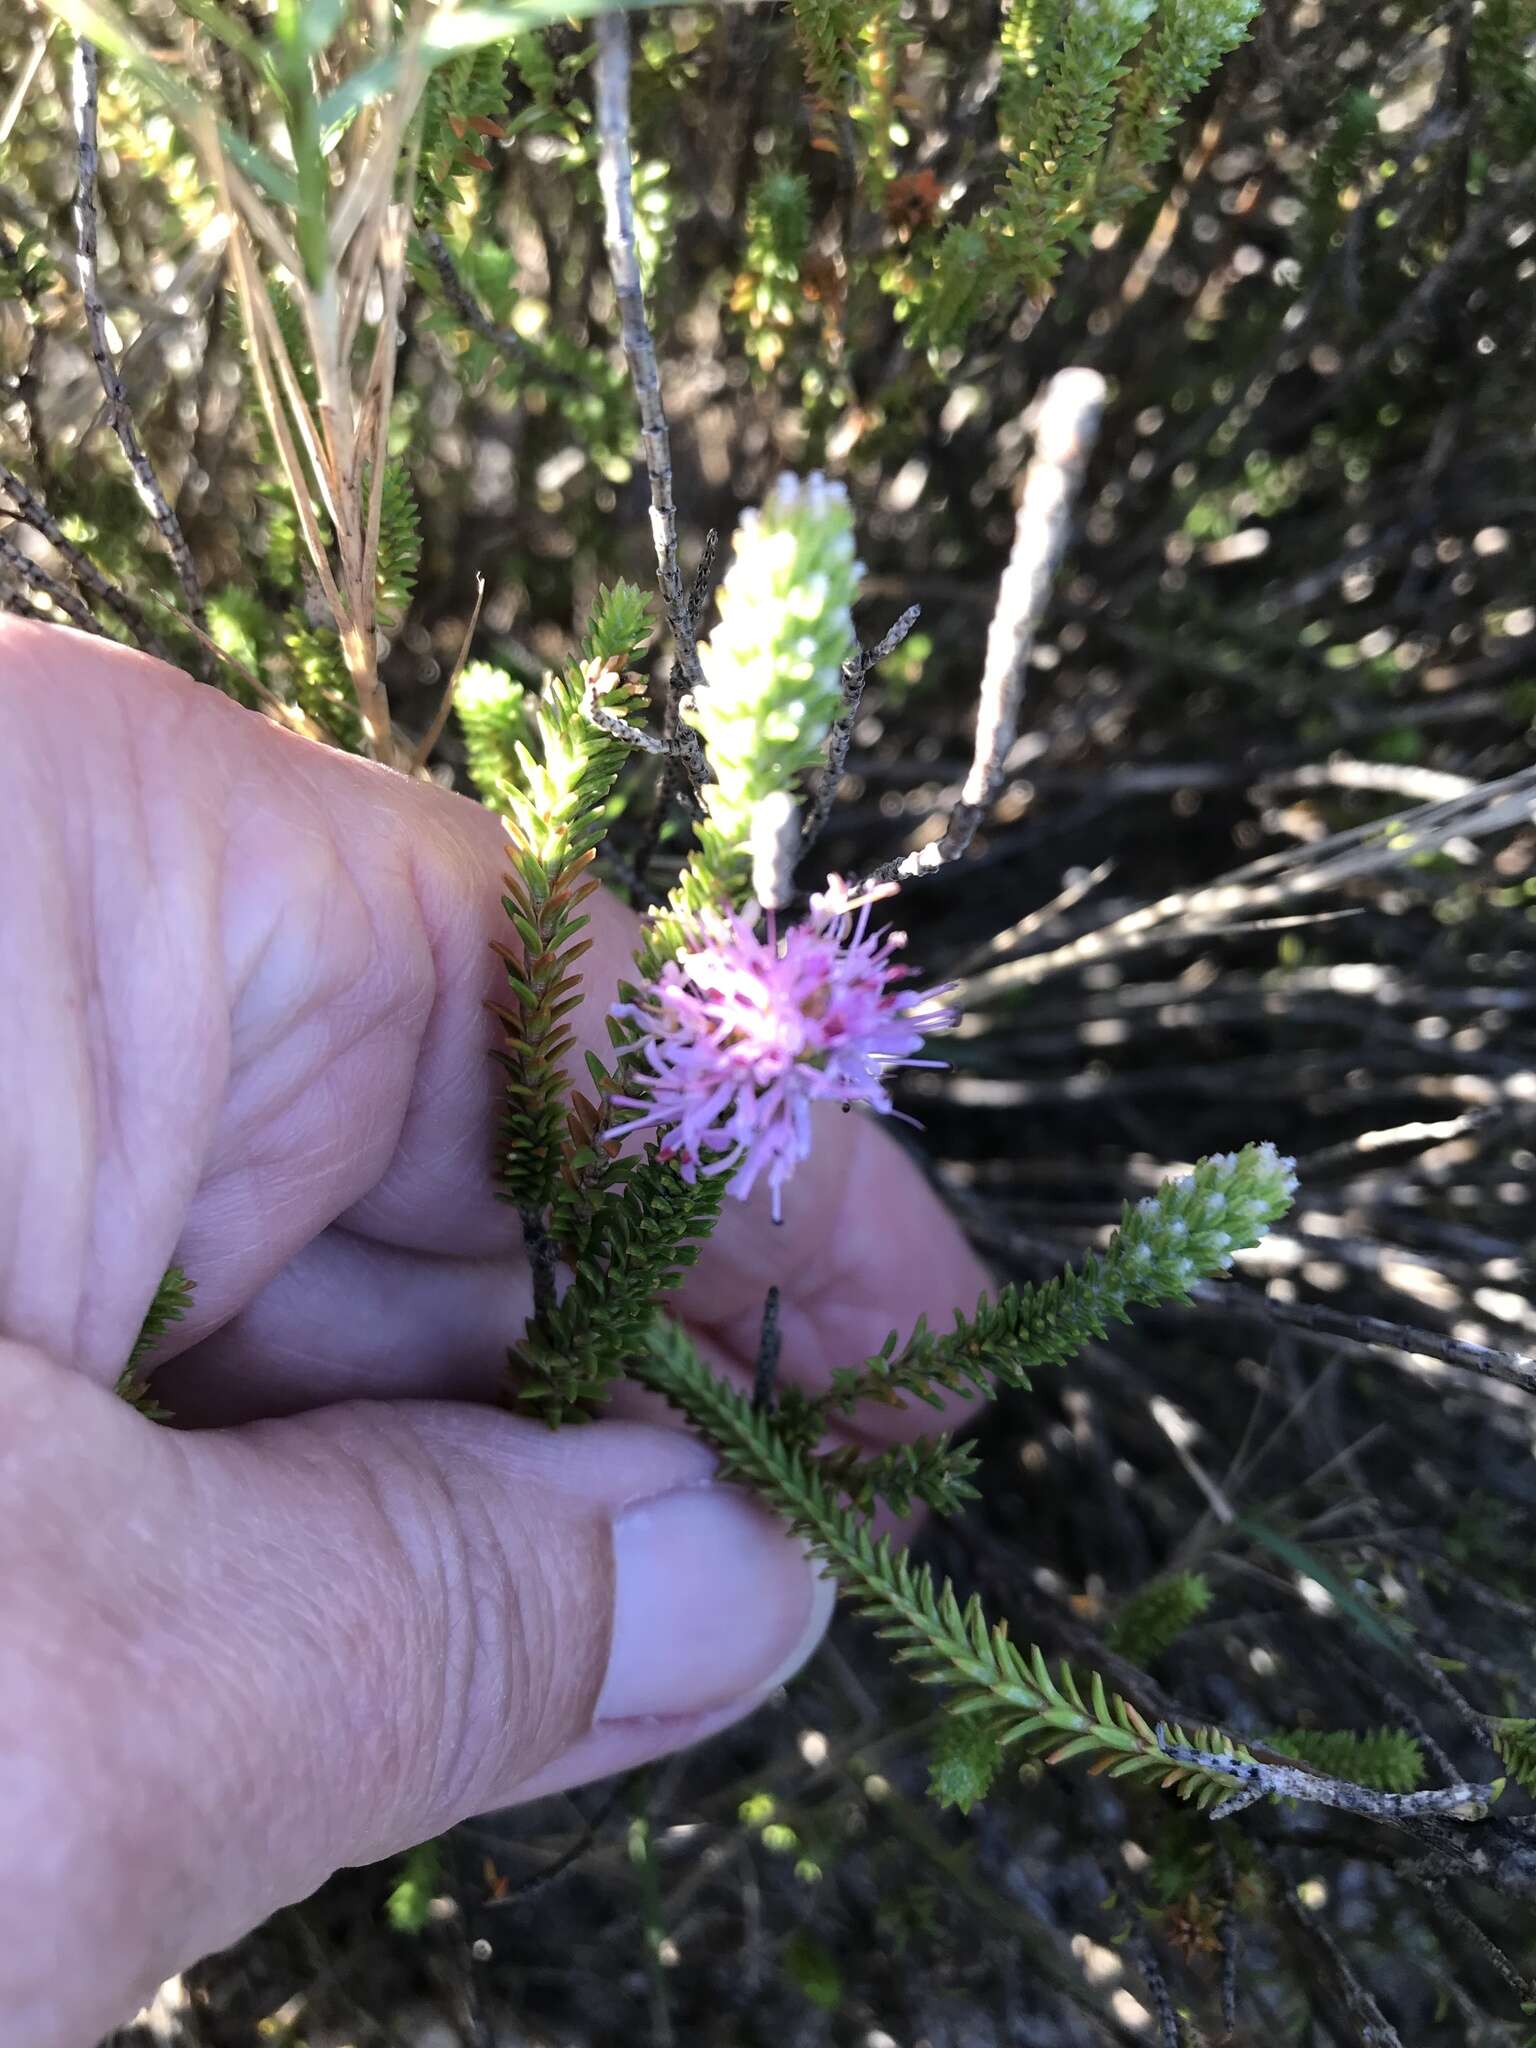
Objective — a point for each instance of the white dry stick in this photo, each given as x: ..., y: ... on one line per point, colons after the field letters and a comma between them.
x: 616, y: 178
x: 1262, y: 887
x: 1066, y: 421
x: 119, y: 418
x: 775, y: 846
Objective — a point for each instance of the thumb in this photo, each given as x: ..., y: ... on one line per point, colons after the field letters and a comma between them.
x: 232, y: 1661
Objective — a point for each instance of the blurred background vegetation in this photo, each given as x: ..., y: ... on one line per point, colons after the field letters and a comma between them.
x: 1297, y: 602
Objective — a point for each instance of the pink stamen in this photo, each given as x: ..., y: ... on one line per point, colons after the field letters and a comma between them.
x: 746, y: 1031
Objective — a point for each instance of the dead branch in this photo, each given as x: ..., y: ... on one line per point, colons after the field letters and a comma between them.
x: 1232, y: 902
x: 32, y: 509
x: 119, y: 417
x: 474, y: 316
x: 840, y: 738
x: 615, y: 173
x: 22, y: 570
x: 1373, y: 1333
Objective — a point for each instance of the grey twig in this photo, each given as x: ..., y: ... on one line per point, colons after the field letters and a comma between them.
x: 669, y: 782
x: 22, y: 569
x: 769, y: 1344
x: 1255, y: 1781
x: 841, y: 735
x: 1374, y: 2029
x: 616, y: 177
x: 1373, y: 1333
x: 1170, y: 2028
x: 539, y: 1880
x: 475, y: 317
x: 1231, y: 1932
x: 684, y: 745
x: 1446, y: 1909
x: 32, y: 509
x: 1066, y: 423
x: 146, y: 483
x: 1408, y: 1718
x: 703, y: 580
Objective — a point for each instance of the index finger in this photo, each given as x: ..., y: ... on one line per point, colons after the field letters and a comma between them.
x: 281, y: 956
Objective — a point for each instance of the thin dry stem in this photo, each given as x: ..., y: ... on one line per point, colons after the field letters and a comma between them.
x: 1375, y: 1333
x: 434, y: 731
x: 32, y: 509
x: 344, y: 435
x: 23, y: 570
x: 506, y: 339
x: 615, y: 173
x: 855, y: 673
x: 1263, y: 885
x: 119, y: 417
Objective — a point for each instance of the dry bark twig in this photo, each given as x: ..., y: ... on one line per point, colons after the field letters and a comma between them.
x: 119, y: 417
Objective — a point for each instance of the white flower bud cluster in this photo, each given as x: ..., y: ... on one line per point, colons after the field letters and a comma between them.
x: 1195, y: 1224
x: 773, y: 665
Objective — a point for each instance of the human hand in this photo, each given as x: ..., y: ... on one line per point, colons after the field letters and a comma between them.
x: 242, y: 1027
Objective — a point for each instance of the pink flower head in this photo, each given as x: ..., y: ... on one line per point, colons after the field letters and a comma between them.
x: 747, y: 1029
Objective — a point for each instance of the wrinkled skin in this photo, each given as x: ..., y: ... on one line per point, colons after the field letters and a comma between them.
x: 242, y: 1025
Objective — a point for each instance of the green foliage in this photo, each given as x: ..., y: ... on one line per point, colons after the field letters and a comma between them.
x: 1029, y: 35
x: 878, y: 63
x: 172, y: 1299
x: 1514, y: 1743
x: 1158, y: 1614
x: 965, y: 1760
x: 1052, y: 172
x: 241, y: 625
x: 423, y: 1872
x: 1015, y: 1692
x: 1188, y: 1229
x: 628, y: 1230
x: 495, y: 718
x: 932, y: 1471
x: 463, y: 107
x: 555, y: 817
x: 827, y: 31
x: 27, y: 270
x: 1336, y: 167
x: 767, y: 299
x: 637, y: 1243
x: 1070, y: 75
x: 1386, y: 1759
x: 1188, y: 40
x: 1501, y: 42
x: 811, y: 1965
x: 399, y: 547
x: 540, y: 76
x: 523, y: 357
x: 320, y: 683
